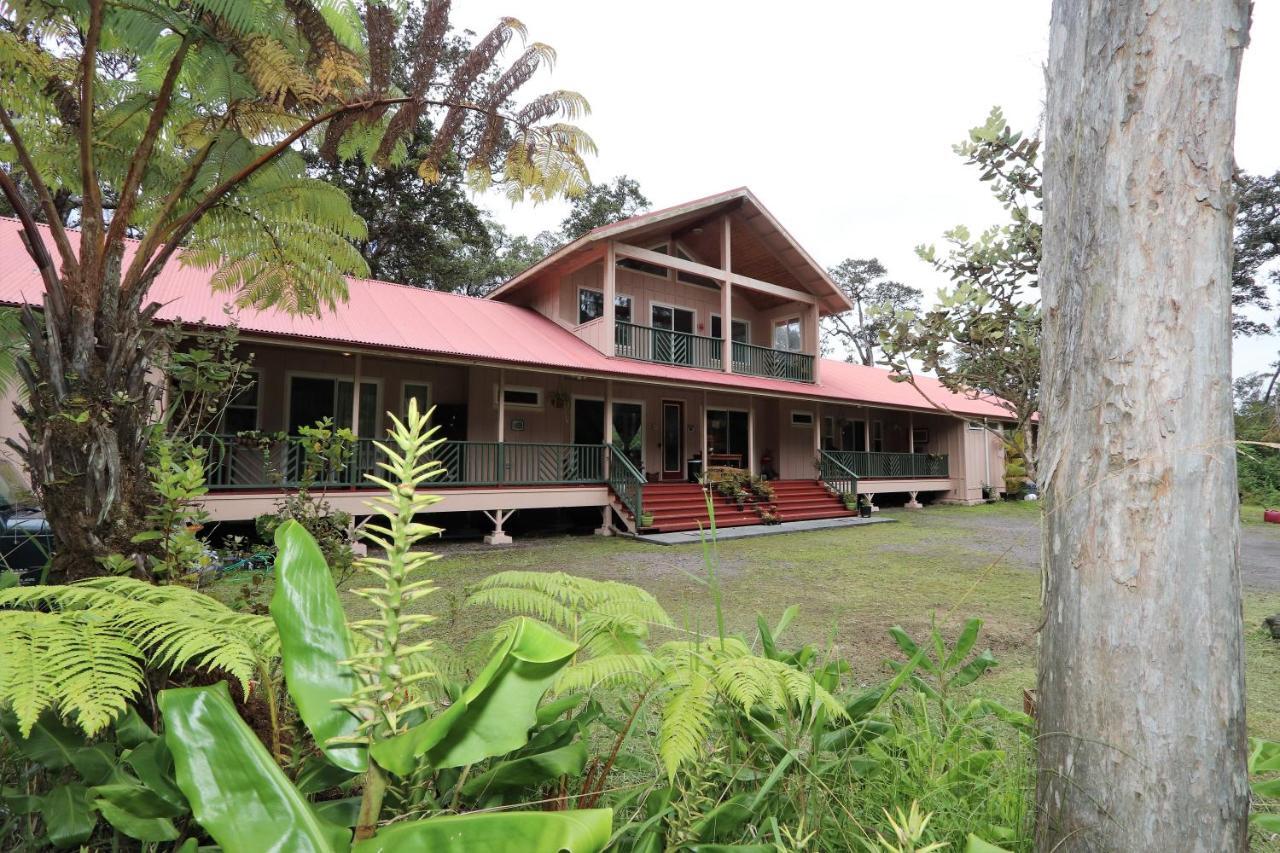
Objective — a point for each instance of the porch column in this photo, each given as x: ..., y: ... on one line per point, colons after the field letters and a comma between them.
x: 751, y: 436
x: 726, y: 303
x: 357, y: 375
x: 610, y: 289
x: 866, y: 430
x: 502, y: 404
x: 817, y: 431
x: 608, y: 423
x: 911, y: 432
x: 705, y: 448
x: 816, y: 318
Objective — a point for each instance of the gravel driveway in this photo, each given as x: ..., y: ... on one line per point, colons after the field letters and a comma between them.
x: 1020, y: 538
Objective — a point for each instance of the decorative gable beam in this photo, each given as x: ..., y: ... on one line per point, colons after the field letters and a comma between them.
x: 680, y: 264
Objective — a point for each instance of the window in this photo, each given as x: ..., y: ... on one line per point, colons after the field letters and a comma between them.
x: 622, y: 309
x: 590, y: 304
x: 419, y: 391
x: 728, y: 433
x: 521, y: 398
x: 645, y: 267
x: 975, y: 425
x: 741, y: 329
x: 801, y: 419
x: 786, y: 334
x: 920, y: 440
x: 829, y: 433
x: 694, y: 278
x: 877, y: 436
x: 312, y: 398
x: 242, y: 409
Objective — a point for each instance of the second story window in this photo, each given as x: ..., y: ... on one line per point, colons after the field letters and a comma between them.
x: 786, y: 334
x: 591, y: 306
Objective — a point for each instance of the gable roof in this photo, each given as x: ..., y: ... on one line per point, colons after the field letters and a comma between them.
x: 396, y: 318
x: 758, y: 220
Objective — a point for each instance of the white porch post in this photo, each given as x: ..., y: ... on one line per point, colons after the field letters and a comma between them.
x: 608, y: 419
x: 866, y: 430
x: 610, y: 291
x: 356, y: 378
x: 502, y: 404
x: 911, y: 432
x: 726, y: 302
x: 705, y: 447
x: 815, y: 314
x: 752, y: 462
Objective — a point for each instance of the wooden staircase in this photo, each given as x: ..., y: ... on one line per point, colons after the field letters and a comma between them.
x: 682, y: 506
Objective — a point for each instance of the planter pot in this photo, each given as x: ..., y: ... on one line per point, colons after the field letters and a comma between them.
x: 646, y: 520
x: 864, y: 511
x: 1271, y: 516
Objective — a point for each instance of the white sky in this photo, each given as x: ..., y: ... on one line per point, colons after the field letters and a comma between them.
x: 840, y: 116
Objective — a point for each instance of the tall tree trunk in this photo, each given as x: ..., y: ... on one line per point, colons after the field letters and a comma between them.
x: 86, y: 418
x: 1142, y: 731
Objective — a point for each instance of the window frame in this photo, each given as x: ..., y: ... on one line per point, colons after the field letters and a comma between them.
x: 531, y: 389
x: 787, y: 321
x: 404, y: 396
x: 745, y: 323
x: 803, y: 413
x: 335, y: 378
x: 257, y: 405
x: 597, y: 292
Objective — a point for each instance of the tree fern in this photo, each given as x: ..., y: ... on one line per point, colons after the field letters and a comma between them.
x: 83, y: 648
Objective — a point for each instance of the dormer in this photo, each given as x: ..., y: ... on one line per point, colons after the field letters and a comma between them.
x: 714, y: 284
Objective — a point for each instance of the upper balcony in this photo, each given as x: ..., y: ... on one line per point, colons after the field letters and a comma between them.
x: 714, y: 284
x: 663, y: 346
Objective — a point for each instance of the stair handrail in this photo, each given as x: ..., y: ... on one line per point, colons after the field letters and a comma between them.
x: 835, y: 473
x: 626, y: 481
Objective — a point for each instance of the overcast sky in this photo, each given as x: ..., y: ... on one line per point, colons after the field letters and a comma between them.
x: 839, y: 116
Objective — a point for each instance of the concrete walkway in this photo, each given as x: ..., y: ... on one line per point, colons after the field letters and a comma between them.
x: 686, y: 537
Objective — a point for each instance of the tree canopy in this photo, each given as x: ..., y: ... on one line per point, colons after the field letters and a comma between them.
x: 856, y: 333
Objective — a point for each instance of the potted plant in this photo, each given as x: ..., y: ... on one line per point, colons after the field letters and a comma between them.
x: 864, y: 507
x: 646, y: 519
x: 851, y: 502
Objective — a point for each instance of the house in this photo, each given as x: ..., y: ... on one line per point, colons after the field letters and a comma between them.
x: 601, y: 377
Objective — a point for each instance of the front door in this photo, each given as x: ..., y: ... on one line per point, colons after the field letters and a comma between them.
x: 588, y: 421
x: 672, y: 440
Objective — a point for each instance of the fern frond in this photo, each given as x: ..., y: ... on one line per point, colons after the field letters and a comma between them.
x: 27, y: 684
x: 686, y: 721
x: 98, y: 670
x: 631, y: 670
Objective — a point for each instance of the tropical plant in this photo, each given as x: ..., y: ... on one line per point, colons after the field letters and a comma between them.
x: 83, y: 650
x: 179, y: 126
x: 120, y: 785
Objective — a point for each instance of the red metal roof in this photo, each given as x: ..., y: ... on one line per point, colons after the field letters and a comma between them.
x: 399, y: 318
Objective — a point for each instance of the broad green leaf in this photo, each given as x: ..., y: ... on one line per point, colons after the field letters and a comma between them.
x: 494, y: 714
x: 974, y: 844
x: 529, y: 771
x: 1266, y: 821
x: 548, y: 713
x: 1269, y: 788
x: 153, y: 829
x: 964, y: 643
x: 131, y: 730
x: 97, y: 764
x: 136, y: 799
x: 767, y: 644
x: 583, y: 831
x: 68, y: 815
x: 51, y: 744
x: 1264, y: 755
x: 969, y: 672
x: 344, y: 812
x: 236, y: 790
x: 154, y: 768
x: 314, y: 642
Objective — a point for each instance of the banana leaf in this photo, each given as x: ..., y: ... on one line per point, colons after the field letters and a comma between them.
x: 494, y: 714
x: 314, y: 642
x: 236, y: 790
x: 582, y: 831
x: 529, y: 771
x: 69, y: 817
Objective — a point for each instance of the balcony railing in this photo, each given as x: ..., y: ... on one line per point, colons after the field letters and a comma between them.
x: 645, y: 343
x: 776, y: 363
x: 242, y: 462
x: 867, y: 464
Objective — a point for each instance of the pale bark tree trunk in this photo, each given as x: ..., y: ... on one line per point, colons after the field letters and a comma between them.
x: 1142, y: 731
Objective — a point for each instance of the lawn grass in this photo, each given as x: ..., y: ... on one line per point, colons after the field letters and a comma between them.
x: 943, y: 564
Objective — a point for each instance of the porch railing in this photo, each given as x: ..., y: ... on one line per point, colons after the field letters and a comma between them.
x: 836, y: 474
x: 645, y: 343
x: 867, y: 464
x: 236, y: 462
x: 776, y: 363
x: 626, y: 481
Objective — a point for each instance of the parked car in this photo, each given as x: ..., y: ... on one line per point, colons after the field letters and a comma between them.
x: 26, y: 542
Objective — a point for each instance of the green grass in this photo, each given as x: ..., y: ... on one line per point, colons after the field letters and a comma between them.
x: 852, y: 585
